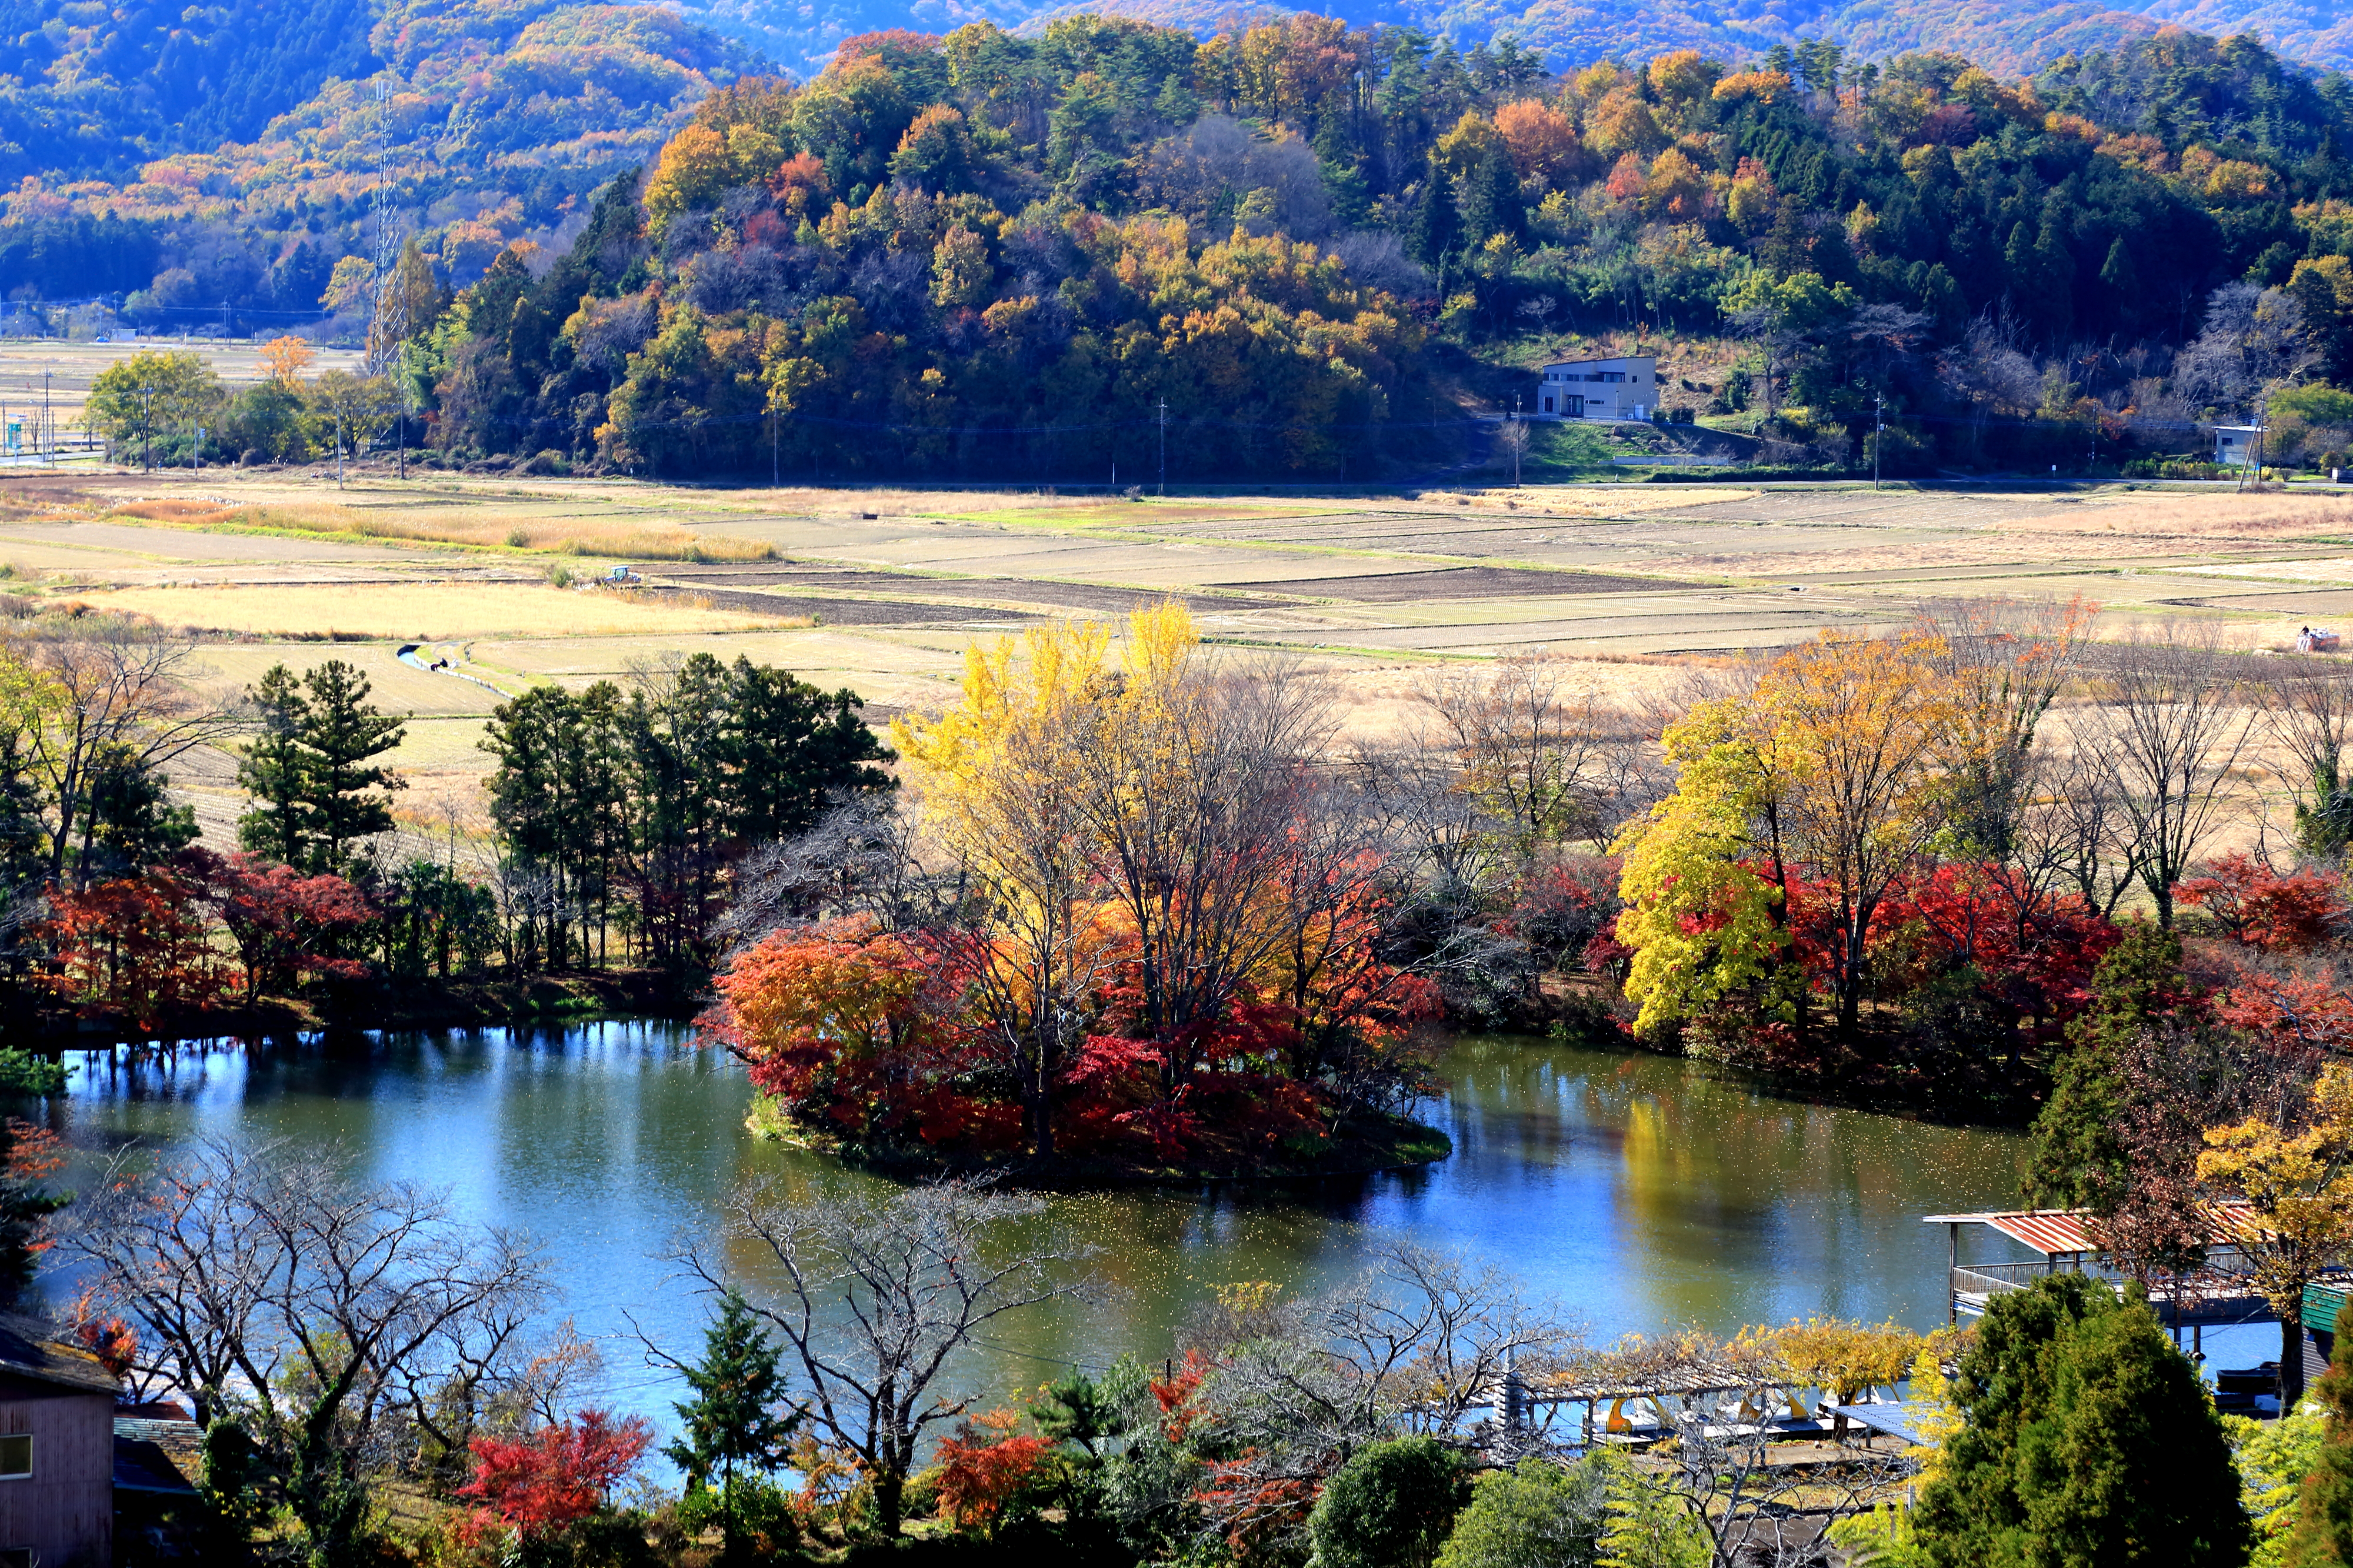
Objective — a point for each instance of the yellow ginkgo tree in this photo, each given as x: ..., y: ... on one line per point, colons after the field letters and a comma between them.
x: 2299, y: 1188
x: 1003, y: 794
x: 1131, y: 810
x: 1829, y: 775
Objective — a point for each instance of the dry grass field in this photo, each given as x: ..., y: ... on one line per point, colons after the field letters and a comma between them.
x: 419, y: 610
x: 883, y: 590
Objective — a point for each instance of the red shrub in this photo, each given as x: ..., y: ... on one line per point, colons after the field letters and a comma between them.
x: 285, y: 924
x: 2296, y: 1013
x: 979, y: 1475
x: 560, y: 1475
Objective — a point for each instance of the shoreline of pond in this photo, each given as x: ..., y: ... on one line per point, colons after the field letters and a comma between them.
x: 1364, y: 1144
x: 573, y: 996
x: 1642, y: 1190
x: 624, y: 995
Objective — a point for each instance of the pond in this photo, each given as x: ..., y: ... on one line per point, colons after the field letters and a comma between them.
x: 1641, y: 1192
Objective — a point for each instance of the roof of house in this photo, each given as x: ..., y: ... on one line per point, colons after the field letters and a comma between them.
x: 1597, y: 359
x: 29, y: 1349
x: 157, y: 1455
x: 2056, y: 1232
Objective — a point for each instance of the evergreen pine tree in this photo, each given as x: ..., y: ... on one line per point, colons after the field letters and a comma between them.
x: 2323, y: 1535
x: 733, y: 1421
x: 275, y: 772
x: 1490, y: 199
x: 2087, y: 1440
x: 788, y: 748
x: 128, y: 820
x: 2053, y: 277
x: 340, y: 731
x: 2121, y: 278
x: 2077, y: 1161
x: 1435, y: 228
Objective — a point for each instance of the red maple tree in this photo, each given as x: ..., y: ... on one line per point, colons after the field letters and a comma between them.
x: 541, y: 1486
x: 2255, y: 905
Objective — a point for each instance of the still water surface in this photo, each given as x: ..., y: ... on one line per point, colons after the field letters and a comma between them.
x: 1639, y: 1191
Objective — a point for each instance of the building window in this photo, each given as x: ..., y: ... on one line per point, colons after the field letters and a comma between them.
x: 15, y: 1460
x: 1547, y: 405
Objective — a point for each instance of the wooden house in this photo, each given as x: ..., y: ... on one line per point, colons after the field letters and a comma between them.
x: 56, y: 1453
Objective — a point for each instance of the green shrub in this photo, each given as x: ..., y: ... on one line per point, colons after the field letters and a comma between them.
x: 1390, y: 1506
x: 1535, y: 1515
x: 763, y: 1510
x: 1648, y: 1527
x: 2274, y: 1457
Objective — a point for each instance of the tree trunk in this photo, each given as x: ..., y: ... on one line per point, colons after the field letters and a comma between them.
x: 2291, y: 1372
x: 1041, y: 1120
x: 890, y: 1500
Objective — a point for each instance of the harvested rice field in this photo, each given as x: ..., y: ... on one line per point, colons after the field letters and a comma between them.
x: 425, y: 610
x: 882, y: 590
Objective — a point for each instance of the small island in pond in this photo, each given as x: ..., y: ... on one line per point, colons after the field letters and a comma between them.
x: 1162, y: 954
x: 1359, y: 1144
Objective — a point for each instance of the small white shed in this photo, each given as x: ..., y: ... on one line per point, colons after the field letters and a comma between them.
x: 2235, y: 444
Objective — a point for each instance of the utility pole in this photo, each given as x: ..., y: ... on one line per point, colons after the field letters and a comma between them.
x: 1164, y: 448
x: 1878, y: 434
x: 1514, y: 442
x: 49, y: 432
x: 775, y: 460
x: 147, y: 427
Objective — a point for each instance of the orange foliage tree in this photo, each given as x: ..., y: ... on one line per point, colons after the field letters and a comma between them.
x: 139, y: 949
x: 984, y: 1466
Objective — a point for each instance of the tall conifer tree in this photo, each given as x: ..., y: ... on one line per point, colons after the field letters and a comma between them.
x: 343, y: 733
x: 1437, y: 228
x: 737, y: 1418
x: 275, y: 770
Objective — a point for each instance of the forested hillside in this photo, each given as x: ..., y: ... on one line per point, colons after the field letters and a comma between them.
x: 987, y: 255
x: 230, y: 154
x: 1312, y: 249
x: 2015, y: 36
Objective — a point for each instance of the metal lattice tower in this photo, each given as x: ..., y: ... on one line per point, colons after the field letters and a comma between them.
x: 382, y: 334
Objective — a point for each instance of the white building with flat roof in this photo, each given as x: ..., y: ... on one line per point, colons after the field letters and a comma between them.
x: 1624, y: 388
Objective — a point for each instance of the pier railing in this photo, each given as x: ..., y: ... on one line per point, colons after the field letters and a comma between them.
x: 2223, y: 1291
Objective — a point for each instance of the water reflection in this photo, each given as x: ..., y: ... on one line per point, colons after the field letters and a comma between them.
x: 1641, y: 1192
